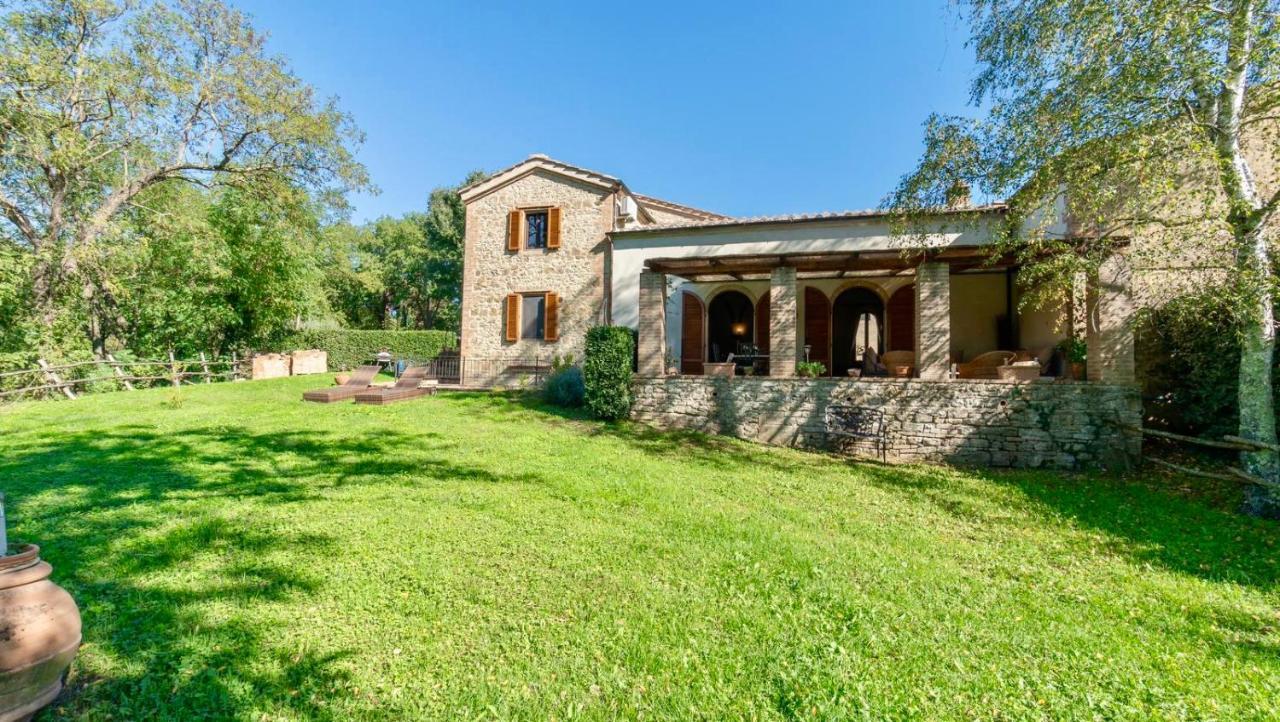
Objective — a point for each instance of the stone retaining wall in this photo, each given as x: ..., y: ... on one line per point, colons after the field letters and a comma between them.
x: 1054, y: 424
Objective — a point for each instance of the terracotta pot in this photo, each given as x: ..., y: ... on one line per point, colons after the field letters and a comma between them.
x: 1077, y: 371
x: 39, y: 634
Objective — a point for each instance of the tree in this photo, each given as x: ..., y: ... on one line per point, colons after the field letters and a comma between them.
x: 1133, y: 118
x: 101, y: 101
x: 401, y: 272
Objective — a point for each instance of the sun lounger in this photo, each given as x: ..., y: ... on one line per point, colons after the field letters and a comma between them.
x: 411, y: 384
x: 359, y: 381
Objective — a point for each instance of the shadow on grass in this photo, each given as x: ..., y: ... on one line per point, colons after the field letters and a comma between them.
x: 1148, y: 520
x: 171, y: 592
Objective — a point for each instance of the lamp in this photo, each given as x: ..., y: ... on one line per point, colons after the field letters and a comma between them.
x: 738, y: 329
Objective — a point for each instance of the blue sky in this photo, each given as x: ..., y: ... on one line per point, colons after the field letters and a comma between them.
x: 742, y: 108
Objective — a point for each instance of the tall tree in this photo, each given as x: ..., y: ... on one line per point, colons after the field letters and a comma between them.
x: 1151, y: 118
x: 102, y: 100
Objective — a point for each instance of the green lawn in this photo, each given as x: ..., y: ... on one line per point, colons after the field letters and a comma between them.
x: 242, y: 555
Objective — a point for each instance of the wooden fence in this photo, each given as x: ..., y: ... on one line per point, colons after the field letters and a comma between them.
x: 72, y: 379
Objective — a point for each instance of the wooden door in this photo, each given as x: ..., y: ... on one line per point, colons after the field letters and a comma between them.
x: 817, y: 326
x: 692, y: 338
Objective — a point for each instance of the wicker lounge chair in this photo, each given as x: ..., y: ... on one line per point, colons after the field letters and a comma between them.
x: 359, y: 381
x: 984, y: 366
x: 408, y: 386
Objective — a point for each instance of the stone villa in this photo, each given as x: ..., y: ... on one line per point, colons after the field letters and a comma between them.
x: 553, y: 249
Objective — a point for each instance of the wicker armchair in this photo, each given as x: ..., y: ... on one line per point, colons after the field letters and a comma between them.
x: 984, y: 366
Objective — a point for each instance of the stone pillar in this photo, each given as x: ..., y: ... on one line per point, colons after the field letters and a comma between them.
x: 652, y: 333
x: 933, y: 321
x: 782, y: 321
x: 1109, y: 324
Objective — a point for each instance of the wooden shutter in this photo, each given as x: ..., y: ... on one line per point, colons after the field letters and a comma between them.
x: 817, y: 326
x: 762, y: 323
x: 513, y: 317
x: 691, y: 341
x: 514, y: 227
x: 551, y: 318
x: 553, y: 228
x: 901, y: 313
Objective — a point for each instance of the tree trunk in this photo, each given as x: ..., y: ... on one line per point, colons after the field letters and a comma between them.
x: 1248, y: 222
x: 1256, y: 398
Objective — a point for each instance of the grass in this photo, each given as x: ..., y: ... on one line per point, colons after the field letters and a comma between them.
x: 241, y: 555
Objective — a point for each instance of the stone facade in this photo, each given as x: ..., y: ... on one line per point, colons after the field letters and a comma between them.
x: 652, y: 336
x: 1109, y: 323
x: 575, y: 271
x: 933, y: 321
x: 1051, y: 424
x: 783, y: 318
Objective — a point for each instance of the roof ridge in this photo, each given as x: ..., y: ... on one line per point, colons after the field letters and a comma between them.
x: 800, y: 217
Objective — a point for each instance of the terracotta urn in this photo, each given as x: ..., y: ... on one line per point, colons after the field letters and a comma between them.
x: 39, y: 634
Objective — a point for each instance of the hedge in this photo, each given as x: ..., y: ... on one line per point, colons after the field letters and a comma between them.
x: 348, y: 348
x: 607, y: 371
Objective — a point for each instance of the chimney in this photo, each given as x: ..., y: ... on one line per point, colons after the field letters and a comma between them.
x: 958, y: 196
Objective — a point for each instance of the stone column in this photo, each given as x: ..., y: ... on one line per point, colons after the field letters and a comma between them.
x: 933, y: 321
x: 782, y: 322
x: 1109, y: 323
x: 652, y: 332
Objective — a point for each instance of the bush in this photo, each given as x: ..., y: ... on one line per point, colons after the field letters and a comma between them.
x: 564, y: 387
x: 348, y: 348
x: 1188, y: 354
x: 606, y: 374
x: 811, y: 369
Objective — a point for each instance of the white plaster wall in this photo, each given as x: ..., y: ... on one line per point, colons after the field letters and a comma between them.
x: 631, y: 252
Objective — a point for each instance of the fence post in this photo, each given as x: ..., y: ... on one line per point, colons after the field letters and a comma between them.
x: 235, y: 367
x: 115, y: 369
x: 52, y: 378
x: 173, y: 370
x: 204, y: 363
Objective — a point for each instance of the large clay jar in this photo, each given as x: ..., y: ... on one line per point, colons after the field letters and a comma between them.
x: 39, y: 634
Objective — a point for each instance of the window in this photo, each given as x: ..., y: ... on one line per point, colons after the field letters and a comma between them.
x: 535, y: 229
x: 533, y: 314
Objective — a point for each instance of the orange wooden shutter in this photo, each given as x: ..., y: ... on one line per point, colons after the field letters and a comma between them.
x: 551, y: 327
x: 514, y: 226
x: 553, y: 228
x: 513, y: 317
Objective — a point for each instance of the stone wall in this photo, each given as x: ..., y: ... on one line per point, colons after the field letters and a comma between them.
x: 575, y: 271
x: 1053, y: 424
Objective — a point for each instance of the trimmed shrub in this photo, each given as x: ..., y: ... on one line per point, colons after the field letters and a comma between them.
x: 564, y: 387
x: 606, y: 373
x: 348, y: 348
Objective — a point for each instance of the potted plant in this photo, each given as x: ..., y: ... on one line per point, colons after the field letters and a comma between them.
x: 41, y: 624
x: 811, y: 369
x: 1075, y: 351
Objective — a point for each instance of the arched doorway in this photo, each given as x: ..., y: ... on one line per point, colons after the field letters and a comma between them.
x: 857, y: 323
x: 901, y: 313
x: 730, y: 321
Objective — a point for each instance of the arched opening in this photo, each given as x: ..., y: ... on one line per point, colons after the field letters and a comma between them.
x: 730, y: 321
x: 901, y: 312
x: 857, y: 324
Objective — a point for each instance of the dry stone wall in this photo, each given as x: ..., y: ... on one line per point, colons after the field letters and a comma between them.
x: 1050, y: 424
